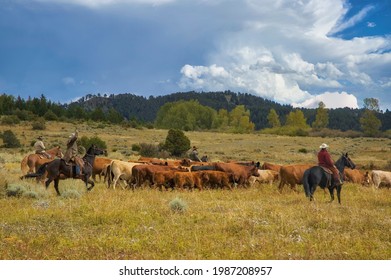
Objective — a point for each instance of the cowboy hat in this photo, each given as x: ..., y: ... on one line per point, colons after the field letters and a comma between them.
x: 324, y: 146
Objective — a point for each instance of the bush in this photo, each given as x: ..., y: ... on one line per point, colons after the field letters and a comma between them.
x: 10, y: 140
x: 39, y: 124
x: 50, y: 116
x: 95, y: 140
x: 15, y: 190
x: 177, y: 142
x: 10, y: 120
x: 149, y: 150
x: 136, y: 147
x: 177, y: 205
x: 70, y: 194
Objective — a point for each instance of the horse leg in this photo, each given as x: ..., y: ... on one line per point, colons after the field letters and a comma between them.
x: 56, y: 186
x: 331, y: 190
x: 91, y: 182
x: 339, y: 188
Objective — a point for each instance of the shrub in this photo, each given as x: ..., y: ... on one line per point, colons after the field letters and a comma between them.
x: 10, y: 120
x: 136, y: 147
x: 303, y: 150
x: 177, y: 142
x: 149, y: 150
x: 15, y: 190
x: 50, y: 116
x: 10, y: 140
x: 177, y: 205
x: 70, y: 194
x: 39, y: 124
x: 95, y: 140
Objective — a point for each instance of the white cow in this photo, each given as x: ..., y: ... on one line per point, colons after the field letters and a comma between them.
x: 121, y: 170
x: 265, y: 176
x: 379, y: 176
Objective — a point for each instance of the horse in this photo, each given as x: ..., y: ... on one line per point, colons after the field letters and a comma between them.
x: 317, y: 176
x: 58, y: 169
x: 32, y: 162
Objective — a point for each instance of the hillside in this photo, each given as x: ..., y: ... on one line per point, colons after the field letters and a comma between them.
x: 145, y: 109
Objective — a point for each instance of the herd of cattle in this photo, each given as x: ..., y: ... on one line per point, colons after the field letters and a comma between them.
x: 180, y: 174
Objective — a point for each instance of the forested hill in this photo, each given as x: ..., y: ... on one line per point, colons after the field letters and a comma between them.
x: 145, y: 109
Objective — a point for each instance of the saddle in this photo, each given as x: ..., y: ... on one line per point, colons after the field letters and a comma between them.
x: 329, y: 175
x: 327, y: 170
x: 77, y: 166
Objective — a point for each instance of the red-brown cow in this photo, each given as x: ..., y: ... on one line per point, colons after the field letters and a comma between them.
x: 271, y: 166
x: 215, y: 179
x: 238, y: 173
x: 99, y: 167
x: 355, y: 176
x: 189, y: 179
x: 292, y: 175
x: 164, y: 179
x: 144, y: 172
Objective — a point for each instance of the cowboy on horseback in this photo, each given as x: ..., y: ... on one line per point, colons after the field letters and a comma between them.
x: 71, y: 155
x: 324, y: 160
x: 40, y: 148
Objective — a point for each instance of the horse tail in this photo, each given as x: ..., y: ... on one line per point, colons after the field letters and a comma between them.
x: 40, y: 172
x: 306, y: 183
x: 23, y: 165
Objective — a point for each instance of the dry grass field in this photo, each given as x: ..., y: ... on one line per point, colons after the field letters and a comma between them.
x: 245, y: 223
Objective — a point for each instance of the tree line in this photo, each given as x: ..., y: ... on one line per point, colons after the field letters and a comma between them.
x: 225, y: 111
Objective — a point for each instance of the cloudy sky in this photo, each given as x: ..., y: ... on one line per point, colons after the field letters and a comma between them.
x: 297, y: 52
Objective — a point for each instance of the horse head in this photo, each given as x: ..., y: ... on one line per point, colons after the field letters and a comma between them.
x: 93, y: 150
x: 347, y: 161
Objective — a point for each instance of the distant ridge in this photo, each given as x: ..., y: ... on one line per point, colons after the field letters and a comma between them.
x: 145, y: 109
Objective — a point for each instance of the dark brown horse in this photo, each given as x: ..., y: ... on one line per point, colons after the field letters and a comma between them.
x: 58, y: 169
x: 32, y: 162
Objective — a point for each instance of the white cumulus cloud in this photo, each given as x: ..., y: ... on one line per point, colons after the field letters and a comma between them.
x: 332, y: 100
x: 285, y: 51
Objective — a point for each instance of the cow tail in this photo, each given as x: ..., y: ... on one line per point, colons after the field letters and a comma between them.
x: 306, y: 183
x: 108, y: 175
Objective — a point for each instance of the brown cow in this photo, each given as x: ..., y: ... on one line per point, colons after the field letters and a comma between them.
x: 271, y: 166
x: 292, y: 175
x: 145, y: 172
x: 215, y: 178
x: 189, y: 179
x: 163, y: 179
x: 355, y: 176
x: 238, y: 173
x: 99, y: 167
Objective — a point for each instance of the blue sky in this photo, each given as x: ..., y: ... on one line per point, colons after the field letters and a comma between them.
x: 293, y: 52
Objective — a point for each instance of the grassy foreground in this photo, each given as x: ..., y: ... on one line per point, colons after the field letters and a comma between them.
x: 253, y: 223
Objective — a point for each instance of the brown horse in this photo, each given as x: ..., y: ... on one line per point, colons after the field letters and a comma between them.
x: 32, y: 162
x: 57, y: 169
